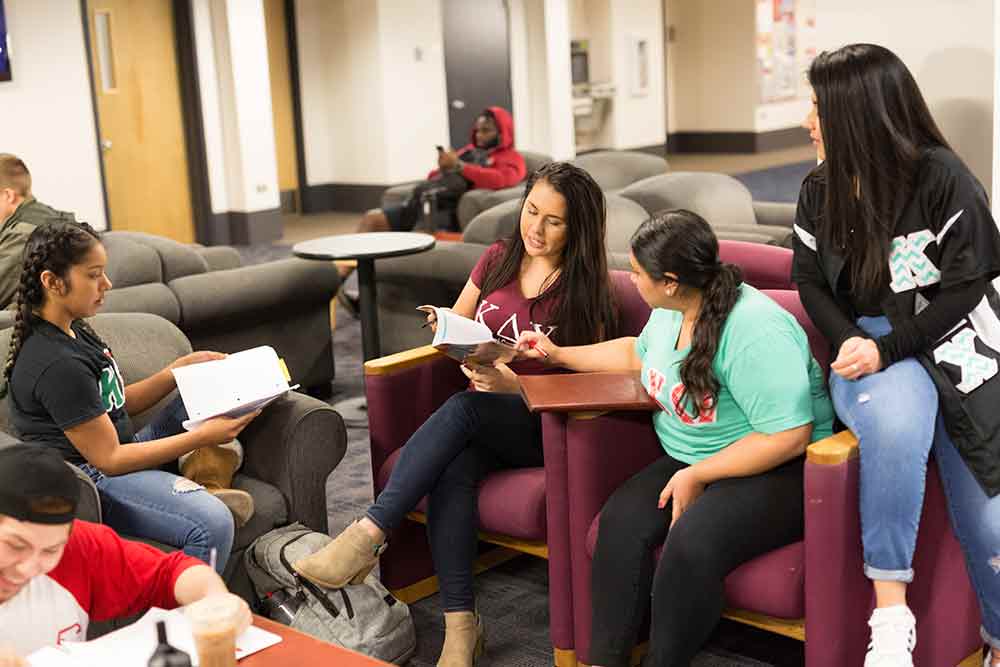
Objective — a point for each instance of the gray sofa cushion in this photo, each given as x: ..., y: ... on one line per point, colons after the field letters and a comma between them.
x: 131, y: 263
x: 155, y: 298
x: 624, y: 217
x: 494, y: 223
x: 270, y: 510
x: 176, y: 259
x: 616, y: 169
x: 720, y: 199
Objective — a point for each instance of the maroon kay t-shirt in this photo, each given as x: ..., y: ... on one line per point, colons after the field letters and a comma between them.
x: 507, y: 312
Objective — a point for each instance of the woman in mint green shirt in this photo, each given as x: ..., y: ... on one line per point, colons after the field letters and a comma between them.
x: 741, y: 397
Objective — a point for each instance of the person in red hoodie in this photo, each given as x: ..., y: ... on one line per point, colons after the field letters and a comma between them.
x: 488, y: 162
x: 57, y: 573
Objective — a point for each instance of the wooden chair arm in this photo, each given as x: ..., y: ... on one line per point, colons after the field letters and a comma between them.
x: 401, y: 361
x: 838, y: 448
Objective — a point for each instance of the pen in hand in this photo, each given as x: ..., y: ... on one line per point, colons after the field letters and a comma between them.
x: 534, y: 346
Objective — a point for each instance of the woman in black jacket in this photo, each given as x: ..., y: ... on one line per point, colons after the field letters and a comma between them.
x: 895, y: 257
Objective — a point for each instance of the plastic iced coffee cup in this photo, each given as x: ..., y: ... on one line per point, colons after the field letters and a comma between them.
x: 213, y: 623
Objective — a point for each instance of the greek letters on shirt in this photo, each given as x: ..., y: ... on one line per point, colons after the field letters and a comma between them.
x: 111, y: 385
x: 655, y: 380
x: 911, y: 268
x: 508, y: 331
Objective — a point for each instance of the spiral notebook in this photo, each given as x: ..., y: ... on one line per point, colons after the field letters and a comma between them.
x: 232, y: 387
x: 464, y: 340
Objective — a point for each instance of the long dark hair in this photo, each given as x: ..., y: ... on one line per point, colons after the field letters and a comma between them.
x: 682, y: 243
x: 583, y: 305
x: 876, y: 128
x: 56, y: 247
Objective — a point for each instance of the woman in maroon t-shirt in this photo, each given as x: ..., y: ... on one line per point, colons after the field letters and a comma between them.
x: 551, y: 276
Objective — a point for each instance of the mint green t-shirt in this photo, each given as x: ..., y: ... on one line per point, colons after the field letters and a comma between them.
x: 769, y: 380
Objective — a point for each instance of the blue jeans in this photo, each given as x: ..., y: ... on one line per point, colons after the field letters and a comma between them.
x: 894, y: 413
x: 472, y: 434
x: 145, y: 504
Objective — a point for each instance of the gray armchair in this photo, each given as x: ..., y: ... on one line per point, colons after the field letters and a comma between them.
x: 474, y: 201
x: 722, y: 200
x: 289, y: 450
x: 437, y: 276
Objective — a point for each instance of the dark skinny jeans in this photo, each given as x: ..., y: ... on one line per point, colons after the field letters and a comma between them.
x: 733, y: 521
x: 471, y: 435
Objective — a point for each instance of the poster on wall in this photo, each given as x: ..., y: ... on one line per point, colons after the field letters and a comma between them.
x: 4, y: 47
x: 786, y: 46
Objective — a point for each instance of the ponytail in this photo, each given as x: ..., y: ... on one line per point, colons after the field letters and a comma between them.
x: 718, y: 297
x: 682, y: 243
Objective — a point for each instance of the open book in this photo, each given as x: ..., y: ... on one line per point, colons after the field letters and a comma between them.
x: 467, y: 340
x: 240, y: 383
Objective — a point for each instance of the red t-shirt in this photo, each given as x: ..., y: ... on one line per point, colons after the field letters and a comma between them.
x: 100, y: 577
x: 507, y: 312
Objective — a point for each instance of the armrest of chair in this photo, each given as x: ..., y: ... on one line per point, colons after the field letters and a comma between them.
x: 295, y: 444
x: 752, y: 233
x: 585, y: 393
x: 837, y: 594
x: 403, y: 390
x: 774, y: 213
x: 221, y: 257
x: 249, y: 291
x: 398, y: 194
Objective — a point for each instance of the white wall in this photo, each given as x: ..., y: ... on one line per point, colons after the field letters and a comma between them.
x: 638, y: 120
x: 950, y: 51
x: 414, y: 92
x: 373, y: 89
x: 46, y: 114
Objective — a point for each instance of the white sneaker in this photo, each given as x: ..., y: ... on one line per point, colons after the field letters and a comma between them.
x: 894, y: 634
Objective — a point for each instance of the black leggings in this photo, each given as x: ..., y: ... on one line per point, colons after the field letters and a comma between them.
x: 732, y: 522
x: 471, y: 435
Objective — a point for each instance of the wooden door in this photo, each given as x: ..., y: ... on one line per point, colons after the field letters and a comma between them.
x: 476, y: 62
x: 141, y: 126
x: 281, y: 100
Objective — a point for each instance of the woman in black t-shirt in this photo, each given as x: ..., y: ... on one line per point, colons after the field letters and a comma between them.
x: 66, y: 392
x: 896, y: 254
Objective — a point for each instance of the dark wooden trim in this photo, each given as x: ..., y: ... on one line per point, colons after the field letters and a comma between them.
x: 85, y: 15
x: 736, y: 142
x: 293, y: 74
x: 288, y: 201
x: 255, y: 227
x: 779, y: 139
x: 194, y: 128
x: 351, y: 197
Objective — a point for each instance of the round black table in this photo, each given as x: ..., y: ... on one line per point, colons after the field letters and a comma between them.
x: 365, y: 248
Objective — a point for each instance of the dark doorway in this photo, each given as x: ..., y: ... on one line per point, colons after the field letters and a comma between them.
x: 476, y: 61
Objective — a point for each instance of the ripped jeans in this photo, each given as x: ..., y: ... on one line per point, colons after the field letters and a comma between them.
x: 894, y: 413
x: 155, y: 505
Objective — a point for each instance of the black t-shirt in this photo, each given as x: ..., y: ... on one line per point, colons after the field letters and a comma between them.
x: 60, y: 382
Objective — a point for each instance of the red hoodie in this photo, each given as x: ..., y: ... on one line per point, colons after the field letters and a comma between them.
x: 506, y: 166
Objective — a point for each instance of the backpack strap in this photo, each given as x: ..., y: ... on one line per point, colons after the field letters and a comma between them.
x: 304, y: 583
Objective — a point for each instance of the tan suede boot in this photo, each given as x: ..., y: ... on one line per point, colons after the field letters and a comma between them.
x: 347, y: 559
x: 464, y: 639
x: 213, y: 467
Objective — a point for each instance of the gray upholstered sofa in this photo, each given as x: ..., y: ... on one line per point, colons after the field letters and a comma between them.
x: 613, y: 170
x: 721, y: 199
x: 290, y: 449
x: 221, y: 305
x: 437, y: 276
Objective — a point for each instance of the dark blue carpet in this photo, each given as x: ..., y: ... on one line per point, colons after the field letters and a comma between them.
x: 777, y: 183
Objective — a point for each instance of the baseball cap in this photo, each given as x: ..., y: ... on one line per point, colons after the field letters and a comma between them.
x: 36, y: 485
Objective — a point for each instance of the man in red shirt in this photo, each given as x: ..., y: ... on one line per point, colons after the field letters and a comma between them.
x: 58, y: 574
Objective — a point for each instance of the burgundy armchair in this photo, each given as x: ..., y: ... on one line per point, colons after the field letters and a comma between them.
x: 813, y: 590
x: 525, y: 510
